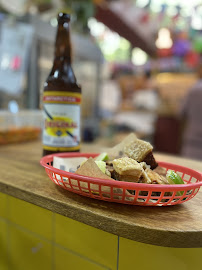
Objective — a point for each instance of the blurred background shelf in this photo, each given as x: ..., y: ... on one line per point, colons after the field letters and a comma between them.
x: 135, y: 60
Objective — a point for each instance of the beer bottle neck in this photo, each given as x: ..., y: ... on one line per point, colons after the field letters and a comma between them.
x: 63, y: 44
x: 62, y: 69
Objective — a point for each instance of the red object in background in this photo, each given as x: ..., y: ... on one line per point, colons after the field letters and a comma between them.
x: 16, y: 63
x: 192, y: 59
x: 144, y: 18
x: 167, y: 135
x: 164, y: 52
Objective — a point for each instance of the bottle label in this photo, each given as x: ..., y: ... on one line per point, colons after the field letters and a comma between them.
x: 61, y: 130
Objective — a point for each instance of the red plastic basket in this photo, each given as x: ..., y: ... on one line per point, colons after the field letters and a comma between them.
x: 125, y: 192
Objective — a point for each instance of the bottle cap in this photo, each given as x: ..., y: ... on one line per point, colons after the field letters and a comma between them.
x: 63, y: 17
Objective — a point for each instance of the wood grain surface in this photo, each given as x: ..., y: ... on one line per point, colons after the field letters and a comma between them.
x: 172, y: 226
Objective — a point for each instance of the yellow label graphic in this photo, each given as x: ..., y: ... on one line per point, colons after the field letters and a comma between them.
x: 71, y: 148
x: 60, y: 126
x: 61, y: 121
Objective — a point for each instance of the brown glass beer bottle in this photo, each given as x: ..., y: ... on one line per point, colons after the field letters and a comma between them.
x: 61, y: 97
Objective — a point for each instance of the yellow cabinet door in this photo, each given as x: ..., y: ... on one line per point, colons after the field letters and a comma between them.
x: 134, y: 255
x: 94, y: 244
x: 31, y: 217
x: 67, y: 260
x: 27, y: 251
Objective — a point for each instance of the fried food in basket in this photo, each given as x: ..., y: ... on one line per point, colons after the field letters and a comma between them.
x: 134, y: 148
x: 141, y: 151
x: 90, y: 168
x: 160, y: 170
x: 131, y: 160
x: 156, y: 178
x: 118, y: 150
x: 127, y: 169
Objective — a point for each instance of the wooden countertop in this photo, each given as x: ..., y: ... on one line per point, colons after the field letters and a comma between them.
x: 173, y: 226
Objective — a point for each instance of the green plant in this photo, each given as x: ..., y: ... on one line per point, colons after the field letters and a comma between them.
x: 82, y: 11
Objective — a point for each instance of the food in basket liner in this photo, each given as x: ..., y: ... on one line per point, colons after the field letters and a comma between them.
x: 134, y: 148
x: 90, y: 168
x: 131, y: 160
x: 117, y: 150
x: 85, y: 167
x: 127, y: 169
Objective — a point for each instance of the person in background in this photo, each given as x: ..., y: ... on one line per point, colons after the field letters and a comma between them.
x: 191, y: 119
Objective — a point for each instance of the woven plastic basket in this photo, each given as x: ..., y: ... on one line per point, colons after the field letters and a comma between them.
x: 125, y: 192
